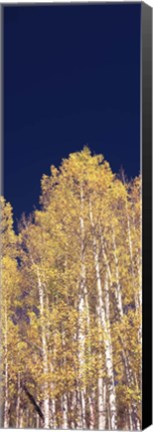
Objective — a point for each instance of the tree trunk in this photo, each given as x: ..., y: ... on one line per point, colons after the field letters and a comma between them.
x: 92, y: 410
x: 37, y: 421
x: 81, y: 354
x: 118, y: 287
x: 18, y: 401
x: 64, y: 409
x: 101, y: 385
x: 73, y: 410
x: 53, y: 403
x: 81, y: 402
x: 44, y: 354
x: 128, y: 371
x: 118, y: 294
x: 21, y: 418
x: 101, y: 404
x: 53, y: 413
x: 64, y: 401
x: 51, y: 362
x: 106, y: 327
x: 27, y: 418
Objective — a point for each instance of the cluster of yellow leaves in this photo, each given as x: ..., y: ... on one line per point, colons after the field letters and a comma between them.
x: 42, y: 290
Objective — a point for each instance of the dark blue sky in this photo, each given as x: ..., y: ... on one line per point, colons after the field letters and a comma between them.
x: 71, y: 77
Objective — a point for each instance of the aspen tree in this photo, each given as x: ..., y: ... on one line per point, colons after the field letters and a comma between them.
x: 71, y: 315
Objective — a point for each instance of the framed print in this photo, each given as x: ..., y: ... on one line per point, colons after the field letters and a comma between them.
x: 75, y: 216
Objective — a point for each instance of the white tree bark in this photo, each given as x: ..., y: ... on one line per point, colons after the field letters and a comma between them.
x: 91, y: 398
x: 73, y: 409
x: 21, y: 418
x: 44, y: 354
x: 101, y: 404
x: 118, y: 297
x: 64, y: 409
x: 118, y: 293
x: 118, y: 287
x: 18, y: 401
x: 101, y: 384
x: 53, y: 402
x: 81, y: 326
x: 106, y: 328
x: 53, y: 409
x: 128, y: 371
x: 81, y: 354
x: 27, y: 418
x: 138, y: 300
x: 64, y: 401
x: 51, y: 361
x: 37, y: 421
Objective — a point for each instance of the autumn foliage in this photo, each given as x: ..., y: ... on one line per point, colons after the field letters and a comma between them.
x: 71, y: 302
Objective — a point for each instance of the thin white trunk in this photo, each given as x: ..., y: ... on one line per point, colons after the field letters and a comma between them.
x: 83, y: 406
x: 46, y: 402
x: 118, y: 287
x: 37, y: 421
x: 118, y: 294
x: 81, y: 402
x: 91, y: 398
x: 53, y: 408
x: 109, y: 362
x: 118, y: 297
x: 101, y: 404
x: 44, y: 354
x: 18, y: 401
x: 21, y: 418
x: 92, y: 410
x: 137, y: 299
x: 108, y: 418
x: 81, y: 354
x: 64, y: 409
x: 73, y: 410
x: 79, y: 412
x: 27, y: 417
x: 101, y: 385
x: 107, y: 338
x: 64, y: 401
x: 52, y: 390
x: 128, y: 371
x: 51, y: 362
x: 53, y: 403
x: 129, y: 235
x: 130, y: 419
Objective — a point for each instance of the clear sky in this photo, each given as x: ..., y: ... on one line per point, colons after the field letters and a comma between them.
x: 71, y: 78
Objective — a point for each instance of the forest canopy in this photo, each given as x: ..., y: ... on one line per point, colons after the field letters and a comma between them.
x: 71, y: 302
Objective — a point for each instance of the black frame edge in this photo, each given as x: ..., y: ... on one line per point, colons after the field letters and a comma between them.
x: 146, y: 128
